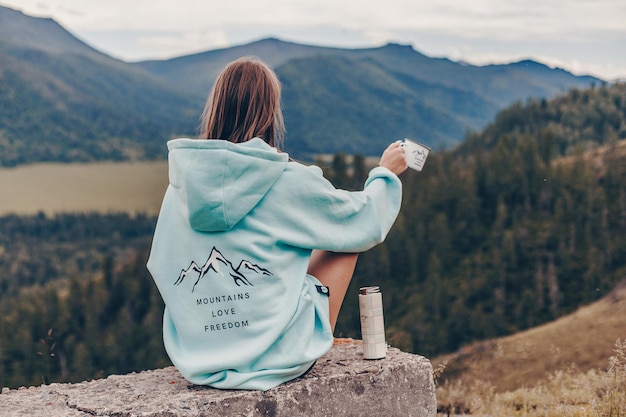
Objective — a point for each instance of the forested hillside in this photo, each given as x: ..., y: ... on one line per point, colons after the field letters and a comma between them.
x: 61, y: 100
x: 506, y: 233
x: 522, y: 225
x: 359, y: 100
x: 76, y: 301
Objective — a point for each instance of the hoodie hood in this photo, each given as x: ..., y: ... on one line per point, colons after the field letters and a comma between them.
x: 220, y: 181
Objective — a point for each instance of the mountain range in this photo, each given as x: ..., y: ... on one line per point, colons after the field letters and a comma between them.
x: 62, y: 100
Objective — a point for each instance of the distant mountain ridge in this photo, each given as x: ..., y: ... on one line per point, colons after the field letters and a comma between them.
x: 399, y: 92
x: 40, y: 34
x: 62, y: 100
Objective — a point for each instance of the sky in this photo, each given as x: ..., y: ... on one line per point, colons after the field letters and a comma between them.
x: 586, y: 37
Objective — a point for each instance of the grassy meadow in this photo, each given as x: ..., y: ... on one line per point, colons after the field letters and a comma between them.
x: 574, y: 366
x: 135, y: 187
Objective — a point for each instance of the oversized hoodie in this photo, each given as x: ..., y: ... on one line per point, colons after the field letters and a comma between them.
x: 230, y: 255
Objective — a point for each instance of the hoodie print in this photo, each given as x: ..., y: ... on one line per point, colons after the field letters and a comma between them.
x: 224, y: 313
x: 214, y: 263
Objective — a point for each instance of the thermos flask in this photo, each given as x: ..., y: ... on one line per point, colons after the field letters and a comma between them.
x: 372, y: 323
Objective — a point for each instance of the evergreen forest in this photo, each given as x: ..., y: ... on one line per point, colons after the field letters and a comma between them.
x: 522, y: 223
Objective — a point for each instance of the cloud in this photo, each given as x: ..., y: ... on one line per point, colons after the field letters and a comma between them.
x: 448, y: 14
x: 513, y: 19
x: 568, y: 31
x: 182, y: 43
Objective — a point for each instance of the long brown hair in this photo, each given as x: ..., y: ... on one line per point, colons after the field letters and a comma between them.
x: 244, y: 103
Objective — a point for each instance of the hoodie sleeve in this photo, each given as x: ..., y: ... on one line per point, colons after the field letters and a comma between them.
x: 319, y: 216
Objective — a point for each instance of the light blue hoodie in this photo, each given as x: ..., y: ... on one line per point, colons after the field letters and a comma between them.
x: 230, y: 256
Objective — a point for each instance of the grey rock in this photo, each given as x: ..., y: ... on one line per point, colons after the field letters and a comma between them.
x: 341, y: 383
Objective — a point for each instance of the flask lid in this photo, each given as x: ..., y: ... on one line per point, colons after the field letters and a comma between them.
x: 369, y: 290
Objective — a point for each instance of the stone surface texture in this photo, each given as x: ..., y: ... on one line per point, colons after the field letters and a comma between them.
x: 341, y: 383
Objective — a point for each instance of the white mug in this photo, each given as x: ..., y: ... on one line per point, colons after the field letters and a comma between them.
x: 415, y: 154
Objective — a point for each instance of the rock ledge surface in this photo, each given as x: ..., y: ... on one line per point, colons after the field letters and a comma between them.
x: 342, y: 383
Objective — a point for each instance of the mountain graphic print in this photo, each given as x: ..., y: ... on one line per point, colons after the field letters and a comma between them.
x: 220, y: 266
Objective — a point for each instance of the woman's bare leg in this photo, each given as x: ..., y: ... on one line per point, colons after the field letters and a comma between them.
x: 334, y: 270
